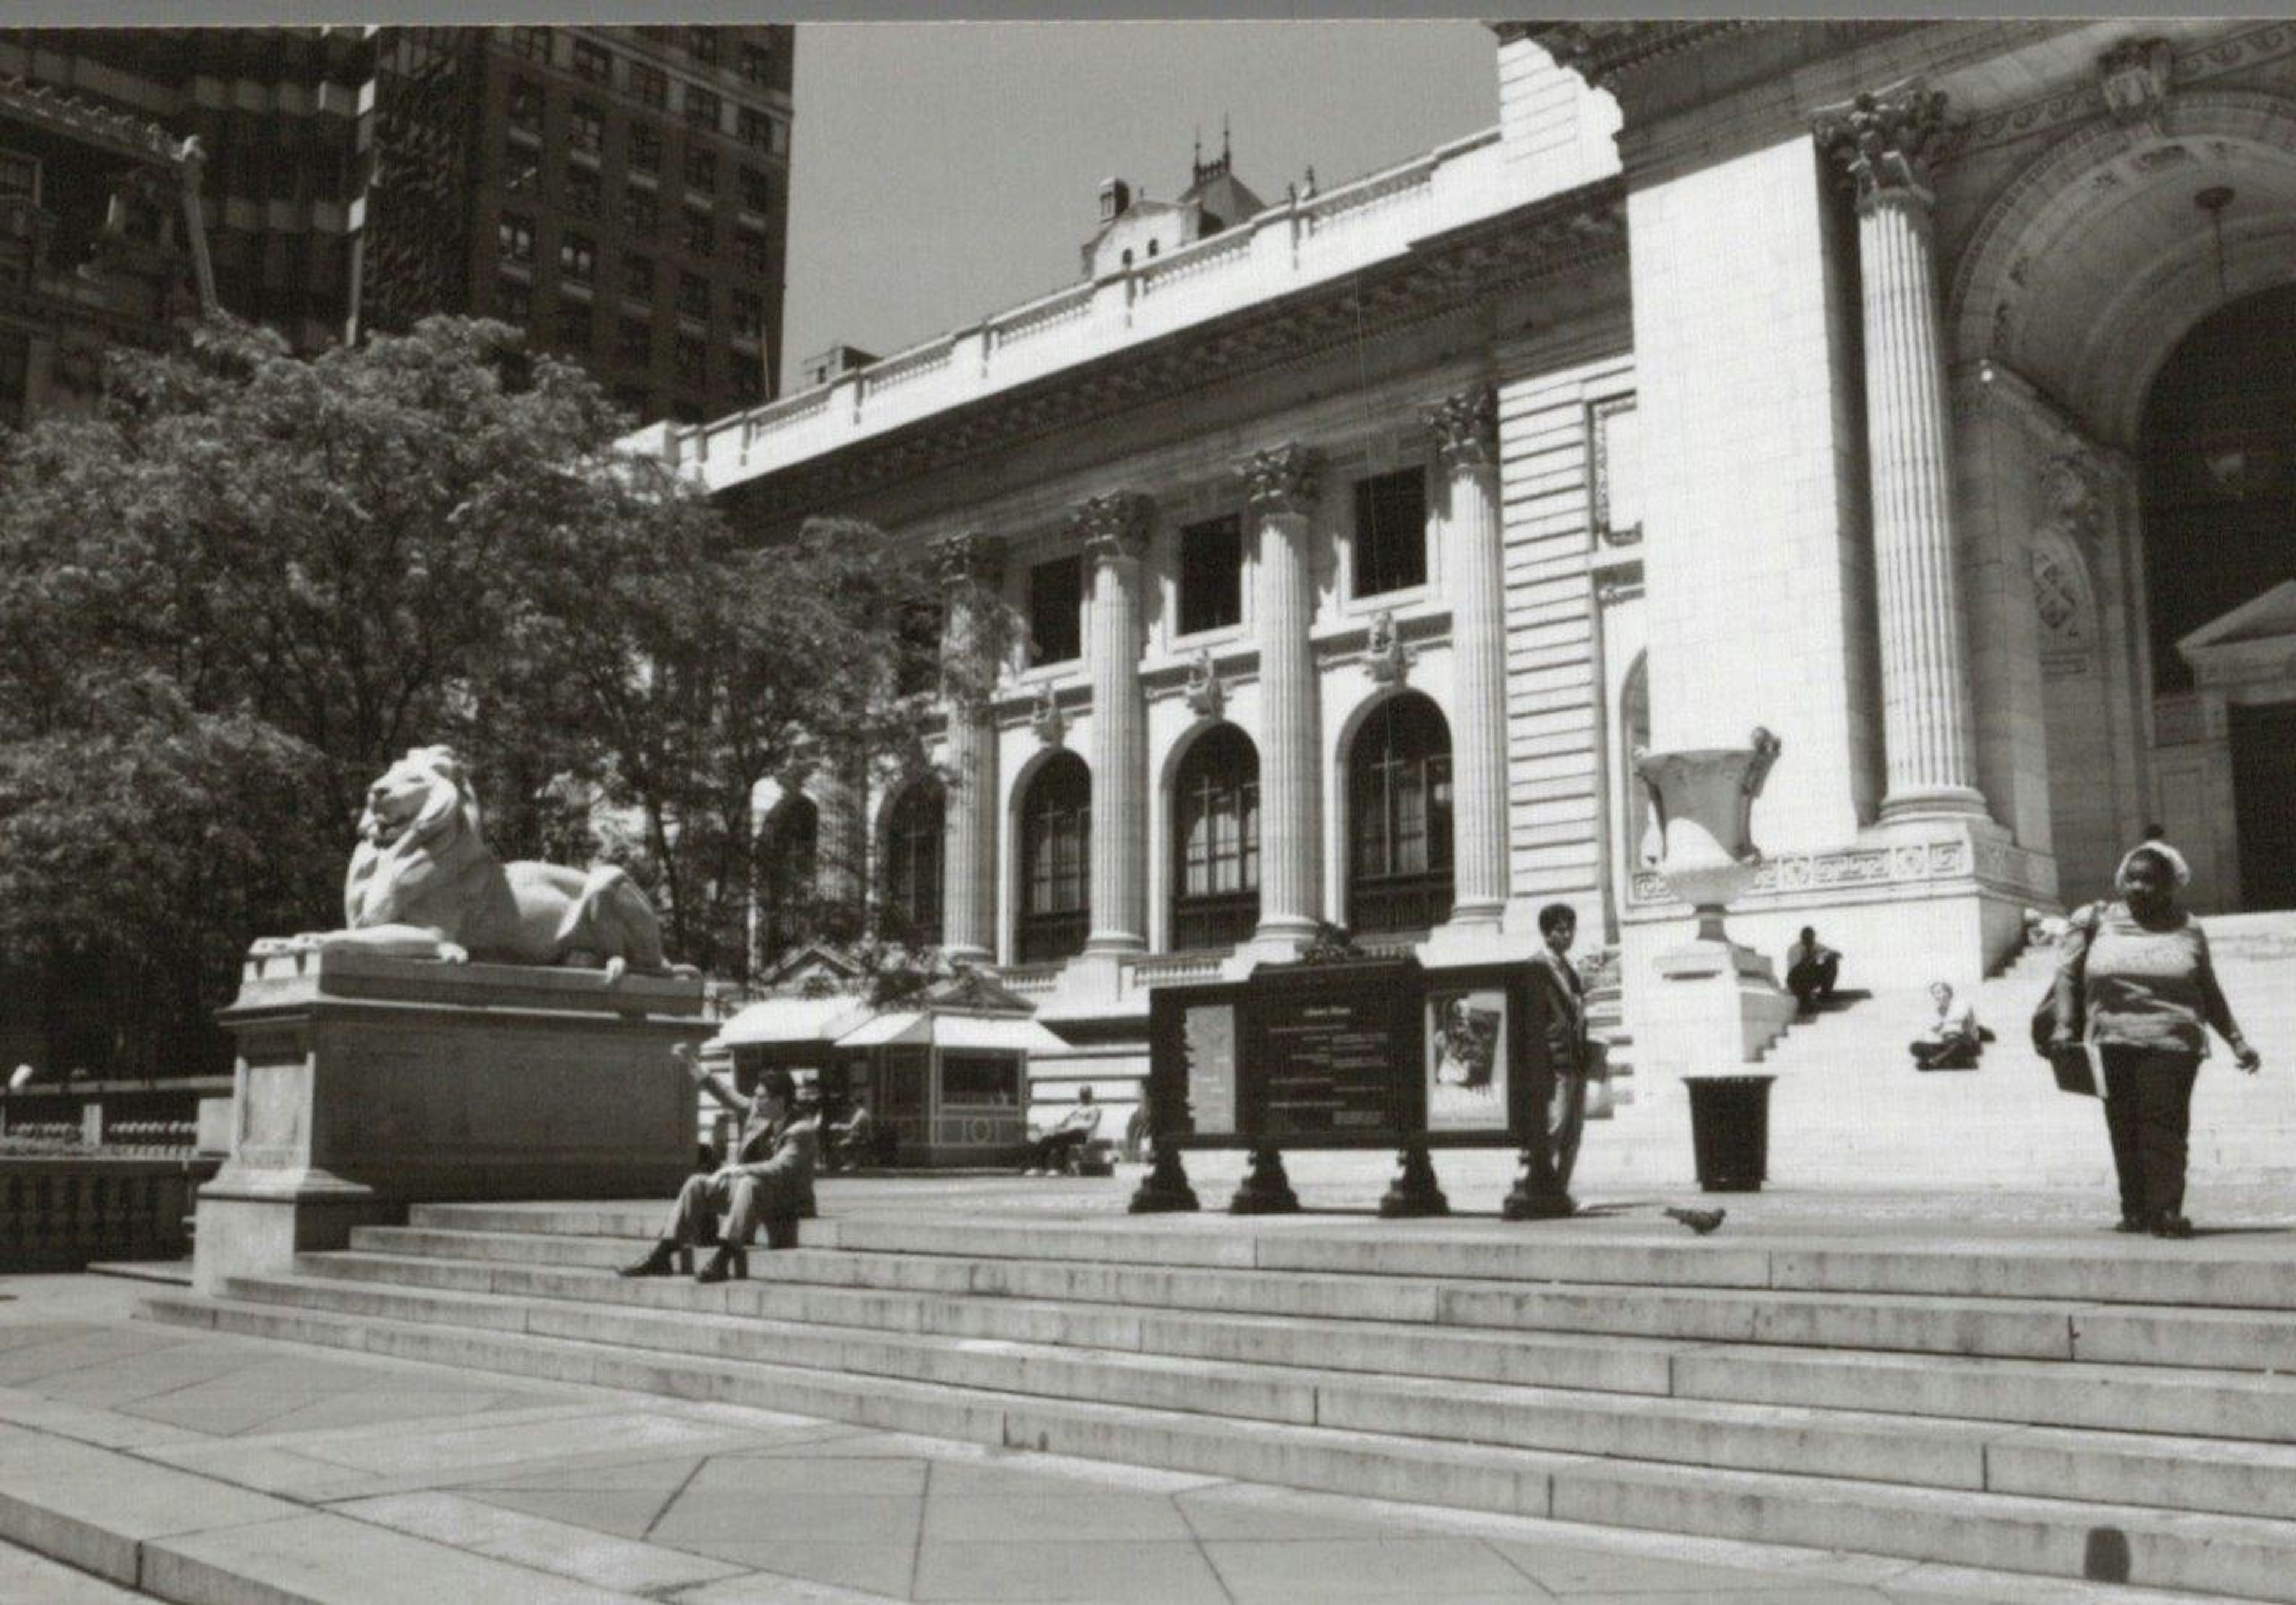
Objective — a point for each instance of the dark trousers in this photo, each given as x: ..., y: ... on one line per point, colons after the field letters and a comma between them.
x: 2148, y: 1111
x: 1959, y: 1054
x: 1053, y: 1149
x: 1812, y: 982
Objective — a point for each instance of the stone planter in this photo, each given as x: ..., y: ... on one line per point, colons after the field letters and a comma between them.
x: 1704, y: 801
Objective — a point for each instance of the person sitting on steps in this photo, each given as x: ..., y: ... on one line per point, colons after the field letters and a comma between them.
x: 852, y: 1144
x: 1812, y: 967
x: 1952, y: 1041
x: 769, y: 1179
x: 1053, y: 1149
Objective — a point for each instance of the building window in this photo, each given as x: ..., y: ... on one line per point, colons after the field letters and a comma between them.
x: 637, y: 277
x: 701, y: 170
x: 514, y: 301
x: 578, y: 258
x: 757, y: 189
x: 526, y: 106
x: 749, y: 315
x: 582, y: 191
x: 1391, y: 543
x: 703, y: 45
x: 693, y: 362
x: 1056, y: 862
x: 649, y: 86
x: 789, y: 862
x: 701, y: 108
x: 910, y: 909
x: 1056, y: 610
x: 752, y: 246
x: 693, y: 296
x: 521, y: 167
x: 756, y: 129
x: 1617, y: 456
x: 1400, y: 818
x: 592, y: 61
x: 633, y: 342
x: 20, y: 178
x: 756, y: 64
x: 515, y: 238
x: 645, y: 148
x: 586, y: 128
x: 748, y: 377
x: 1212, y: 575
x: 640, y: 212
x: 701, y: 231
x: 1216, y: 841
x: 981, y: 1080
x: 574, y: 325
x: 532, y: 43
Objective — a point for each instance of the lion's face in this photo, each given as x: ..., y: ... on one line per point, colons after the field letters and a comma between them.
x: 420, y: 790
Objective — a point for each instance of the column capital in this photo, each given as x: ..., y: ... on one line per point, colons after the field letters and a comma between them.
x: 969, y: 555
x: 1282, y: 478
x: 1115, y: 524
x: 1886, y: 140
x: 1466, y: 426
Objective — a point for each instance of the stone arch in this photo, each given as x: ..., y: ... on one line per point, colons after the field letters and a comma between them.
x: 1385, y: 899
x: 1055, y: 765
x: 1205, y: 910
x: 906, y: 844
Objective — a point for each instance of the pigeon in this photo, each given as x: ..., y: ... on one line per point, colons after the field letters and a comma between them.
x: 1700, y: 1221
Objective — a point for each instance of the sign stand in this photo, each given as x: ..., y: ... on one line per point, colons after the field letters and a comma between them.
x: 1266, y: 1190
x: 1414, y: 1194
x: 1164, y: 1189
x: 1537, y: 1195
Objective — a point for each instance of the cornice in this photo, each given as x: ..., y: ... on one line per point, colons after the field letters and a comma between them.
x: 1601, y: 52
x: 1438, y: 277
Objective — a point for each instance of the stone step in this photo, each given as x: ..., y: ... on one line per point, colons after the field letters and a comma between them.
x: 2173, y: 1397
x: 1405, y: 1272
x: 2246, y: 1556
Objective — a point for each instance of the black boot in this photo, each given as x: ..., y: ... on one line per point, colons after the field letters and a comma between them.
x: 727, y: 1262
x: 661, y: 1260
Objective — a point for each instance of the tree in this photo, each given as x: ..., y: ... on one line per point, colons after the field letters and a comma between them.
x: 231, y: 595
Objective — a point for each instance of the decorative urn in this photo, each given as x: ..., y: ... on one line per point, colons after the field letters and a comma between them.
x: 1704, y: 801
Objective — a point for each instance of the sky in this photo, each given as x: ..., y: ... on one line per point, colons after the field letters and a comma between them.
x: 942, y: 171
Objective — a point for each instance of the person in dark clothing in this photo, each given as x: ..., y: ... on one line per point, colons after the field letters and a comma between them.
x: 768, y: 1181
x: 1570, y: 1045
x: 1812, y: 968
x: 2135, y: 985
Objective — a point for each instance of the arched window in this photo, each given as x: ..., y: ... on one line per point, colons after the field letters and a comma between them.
x: 1056, y: 861
x: 1400, y: 818
x: 910, y: 906
x: 1216, y: 841
x: 789, y: 858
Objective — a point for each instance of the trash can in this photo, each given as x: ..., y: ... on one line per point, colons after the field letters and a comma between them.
x: 1730, y: 1131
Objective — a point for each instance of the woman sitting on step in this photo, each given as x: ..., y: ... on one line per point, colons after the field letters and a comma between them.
x: 2134, y: 975
x: 768, y: 1180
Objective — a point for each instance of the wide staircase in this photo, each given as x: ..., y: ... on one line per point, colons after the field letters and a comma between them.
x: 1849, y: 1107
x: 2079, y: 1406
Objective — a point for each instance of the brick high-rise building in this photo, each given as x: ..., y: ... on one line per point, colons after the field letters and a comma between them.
x: 620, y: 193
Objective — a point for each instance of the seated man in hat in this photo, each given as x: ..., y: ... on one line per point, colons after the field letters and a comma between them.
x: 769, y: 1179
x: 1050, y: 1152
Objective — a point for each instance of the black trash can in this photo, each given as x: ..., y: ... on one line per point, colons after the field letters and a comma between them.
x: 1730, y: 1130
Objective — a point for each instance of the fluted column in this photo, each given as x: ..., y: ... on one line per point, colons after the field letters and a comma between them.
x: 1466, y: 435
x: 969, y: 562
x: 1281, y: 485
x: 1114, y: 531
x: 1885, y: 142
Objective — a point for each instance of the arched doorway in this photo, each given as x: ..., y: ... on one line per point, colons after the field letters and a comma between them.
x: 908, y: 908
x: 2216, y: 454
x: 789, y: 858
x: 1400, y: 818
x: 1056, y: 862
x: 1215, y: 840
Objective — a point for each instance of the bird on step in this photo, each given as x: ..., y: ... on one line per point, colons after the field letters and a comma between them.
x: 1700, y: 1221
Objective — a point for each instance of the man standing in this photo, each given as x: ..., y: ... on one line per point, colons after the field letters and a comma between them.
x: 1812, y: 967
x: 769, y: 1178
x: 1570, y: 1049
x: 1074, y: 1129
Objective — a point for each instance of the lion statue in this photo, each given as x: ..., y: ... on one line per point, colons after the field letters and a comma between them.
x: 423, y: 884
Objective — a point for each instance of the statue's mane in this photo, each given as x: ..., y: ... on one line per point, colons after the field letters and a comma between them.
x: 446, y: 831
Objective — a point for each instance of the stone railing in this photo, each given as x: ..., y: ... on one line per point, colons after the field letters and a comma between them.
x: 1165, y: 969
x: 1030, y: 980
x: 58, y: 1213
x: 1293, y: 243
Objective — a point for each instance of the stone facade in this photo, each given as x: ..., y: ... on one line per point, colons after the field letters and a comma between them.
x: 1776, y: 375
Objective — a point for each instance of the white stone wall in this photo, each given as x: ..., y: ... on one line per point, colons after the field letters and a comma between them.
x: 1558, y: 131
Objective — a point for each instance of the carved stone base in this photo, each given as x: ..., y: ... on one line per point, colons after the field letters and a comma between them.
x: 1536, y: 1195
x: 1164, y: 1189
x: 1266, y: 1190
x: 1414, y: 1193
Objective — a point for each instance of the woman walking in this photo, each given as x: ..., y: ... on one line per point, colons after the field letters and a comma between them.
x: 2134, y: 980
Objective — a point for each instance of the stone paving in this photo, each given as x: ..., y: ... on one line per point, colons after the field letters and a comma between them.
x: 211, y: 1468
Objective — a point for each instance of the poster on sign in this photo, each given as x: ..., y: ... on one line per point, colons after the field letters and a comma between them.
x: 1467, y: 1058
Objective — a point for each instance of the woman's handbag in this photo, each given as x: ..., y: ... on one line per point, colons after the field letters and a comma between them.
x: 2075, y: 1071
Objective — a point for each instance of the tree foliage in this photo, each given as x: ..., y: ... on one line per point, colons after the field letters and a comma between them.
x: 234, y: 592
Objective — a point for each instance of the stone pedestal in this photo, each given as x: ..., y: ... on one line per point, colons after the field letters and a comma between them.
x: 365, y: 1084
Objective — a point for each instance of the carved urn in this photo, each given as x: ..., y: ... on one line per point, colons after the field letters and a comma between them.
x: 1704, y: 801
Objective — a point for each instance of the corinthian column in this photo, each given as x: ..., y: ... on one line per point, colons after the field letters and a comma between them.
x: 1113, y: 530
x: 968, y: 867
x: 1467, y: 440
x: 1885, y: 143
x: 1281, y: 485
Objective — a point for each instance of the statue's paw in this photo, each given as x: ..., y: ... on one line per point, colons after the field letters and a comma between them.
x: 453, y: 953
x: 617, y: 966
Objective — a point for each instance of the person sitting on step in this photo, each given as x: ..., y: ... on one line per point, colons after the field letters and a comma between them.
x: 1054, y: 1149
x: 851, y: 1142
x: 1812, y: 967
x: 1952, y: 1041
x: 768, y: 1179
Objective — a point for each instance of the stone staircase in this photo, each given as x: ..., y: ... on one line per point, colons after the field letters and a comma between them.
x: 1978, y: 1403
